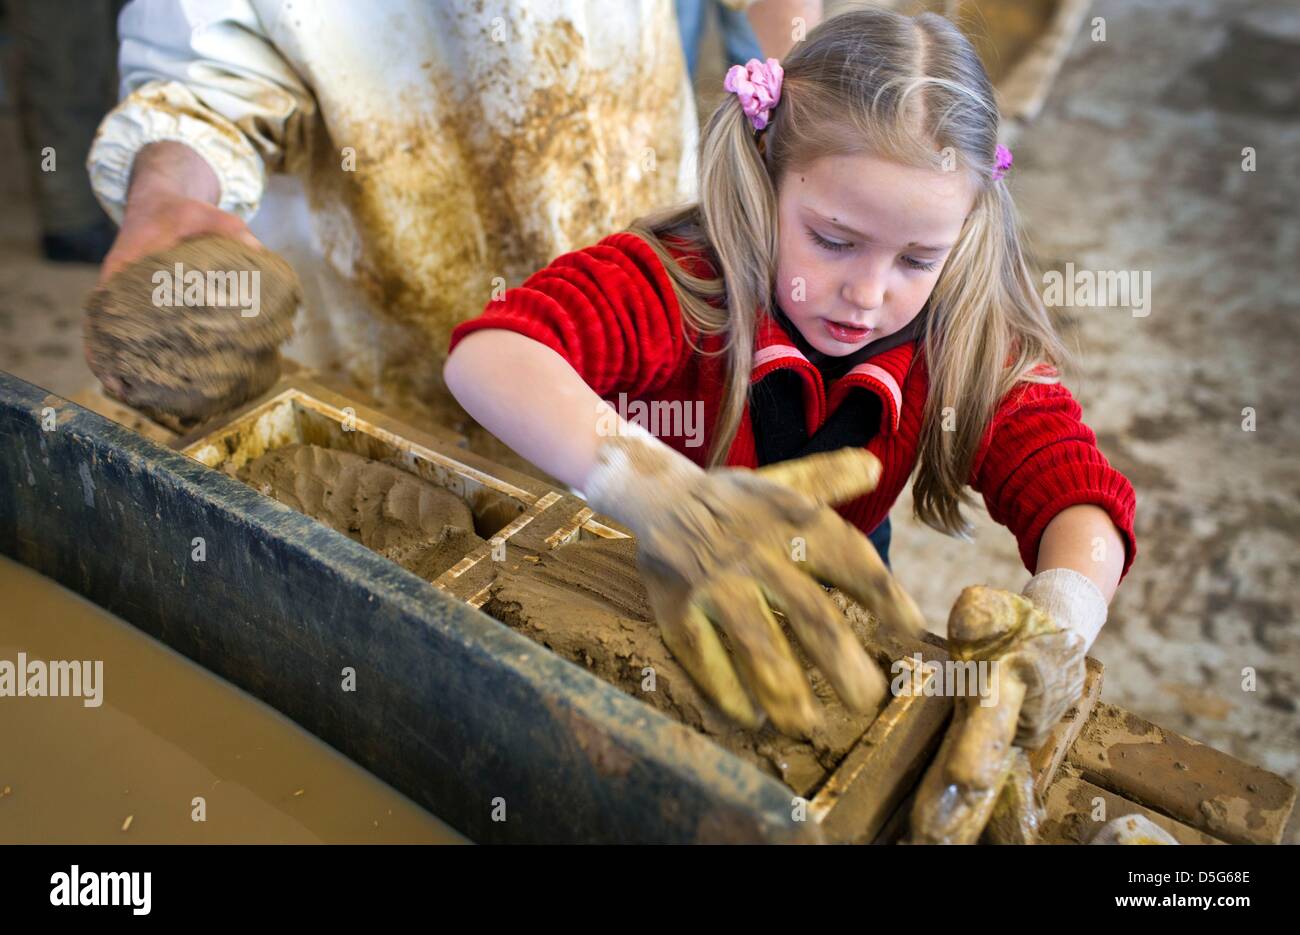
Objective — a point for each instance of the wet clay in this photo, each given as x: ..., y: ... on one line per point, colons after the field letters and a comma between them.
x: 182, y: 363
x: 165, y: 734
x: 410, y: 521
x: 585, y: 602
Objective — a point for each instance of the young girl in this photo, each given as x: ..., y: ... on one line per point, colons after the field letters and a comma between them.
x: 850, y: 281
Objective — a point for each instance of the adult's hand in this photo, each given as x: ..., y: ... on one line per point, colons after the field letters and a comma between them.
x: 173, y: 197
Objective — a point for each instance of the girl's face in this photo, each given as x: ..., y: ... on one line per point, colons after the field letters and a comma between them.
x: 861, y: 244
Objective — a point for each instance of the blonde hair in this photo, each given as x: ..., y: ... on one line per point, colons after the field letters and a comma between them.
x: 908, y: 89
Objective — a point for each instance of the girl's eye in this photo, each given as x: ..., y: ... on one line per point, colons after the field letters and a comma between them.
x: 917, y: 264
x: 836, y: 246
x: 832, y: 245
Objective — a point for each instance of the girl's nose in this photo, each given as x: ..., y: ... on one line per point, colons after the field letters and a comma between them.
x: 866, y: 290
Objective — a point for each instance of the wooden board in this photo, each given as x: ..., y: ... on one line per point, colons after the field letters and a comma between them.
x: 1072, y: 802
x: 881, y: 770
x: 1188, y: 781
x: 300, y: 411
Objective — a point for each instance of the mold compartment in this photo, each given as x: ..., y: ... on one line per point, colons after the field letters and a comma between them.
x: 512, y: 512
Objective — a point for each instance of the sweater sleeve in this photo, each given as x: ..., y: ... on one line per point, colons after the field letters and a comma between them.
x: 207, y: 75
x: 1037, y: 458
x: 608, y: 309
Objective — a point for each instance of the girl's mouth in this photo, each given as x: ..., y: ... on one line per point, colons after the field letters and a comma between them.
x: 845, y: 334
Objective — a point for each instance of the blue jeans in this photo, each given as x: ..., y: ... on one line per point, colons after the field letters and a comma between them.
x: 880, y: 539
x: 737, y: 35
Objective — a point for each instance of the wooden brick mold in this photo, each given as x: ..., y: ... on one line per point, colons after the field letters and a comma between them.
x: 1098, y: 753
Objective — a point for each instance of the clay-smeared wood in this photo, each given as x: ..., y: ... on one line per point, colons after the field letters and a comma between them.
x: 1196, y: 784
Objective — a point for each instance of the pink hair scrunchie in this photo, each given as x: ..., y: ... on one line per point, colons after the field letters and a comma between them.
x: 1003, y: 162
x: 758, y: 85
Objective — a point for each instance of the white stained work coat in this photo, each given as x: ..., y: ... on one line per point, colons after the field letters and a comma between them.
x: 410, y: 158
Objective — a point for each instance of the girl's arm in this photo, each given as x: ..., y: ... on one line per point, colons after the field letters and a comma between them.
x: 1084, y: 538
x: 713, y: 547
x: 499, y: 376
x: 1044, y: 478
x: 535, y: 369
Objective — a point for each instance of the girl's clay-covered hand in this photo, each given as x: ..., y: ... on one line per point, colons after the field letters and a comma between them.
x: 726, y: 546
x: 1036, y: 671
x: 988, y: 624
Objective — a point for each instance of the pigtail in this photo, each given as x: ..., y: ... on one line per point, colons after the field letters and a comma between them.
x: 735, y: 225
x: 738, y: 210
x: 973, y: 365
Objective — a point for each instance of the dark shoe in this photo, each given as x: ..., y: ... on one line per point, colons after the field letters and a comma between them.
x: 87, y: 245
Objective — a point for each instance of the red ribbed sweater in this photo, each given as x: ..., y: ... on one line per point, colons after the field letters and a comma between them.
x: 611, y: 312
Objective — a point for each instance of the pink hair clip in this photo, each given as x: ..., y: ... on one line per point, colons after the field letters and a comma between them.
x: 758, y: 85
x: 1003, y: 162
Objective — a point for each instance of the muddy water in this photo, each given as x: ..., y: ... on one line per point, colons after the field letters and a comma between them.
x: 167, y: 732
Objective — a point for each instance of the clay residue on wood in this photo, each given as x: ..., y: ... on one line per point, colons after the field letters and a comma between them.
x: 1071, y: 805
x: 182, y: 363
x: 585, y: 602
x: 411, y: 521
x: 1193, y: 783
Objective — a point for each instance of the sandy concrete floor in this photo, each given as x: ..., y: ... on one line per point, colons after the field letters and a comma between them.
x: 1135, y: 164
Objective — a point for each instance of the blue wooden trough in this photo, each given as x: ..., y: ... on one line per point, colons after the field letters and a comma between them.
x: 470, y: 719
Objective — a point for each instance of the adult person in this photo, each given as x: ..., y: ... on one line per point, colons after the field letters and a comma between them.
x: 409, y: 159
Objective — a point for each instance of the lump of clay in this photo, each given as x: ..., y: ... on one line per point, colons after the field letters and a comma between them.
x: 410, y: 521
x: 157, y: 344
x: 585, y: 601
